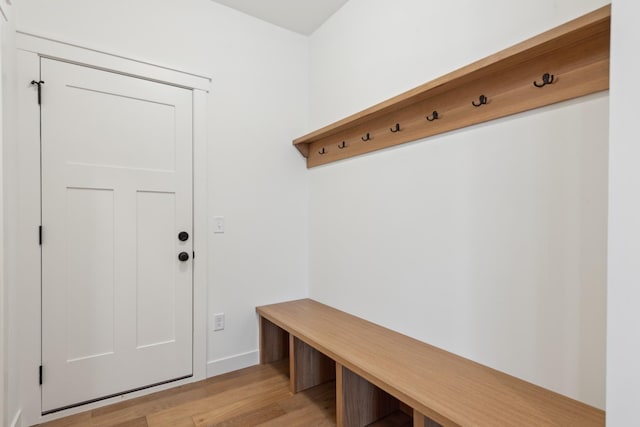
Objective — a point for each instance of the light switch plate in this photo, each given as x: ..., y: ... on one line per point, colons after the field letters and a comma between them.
x: 218, y: 224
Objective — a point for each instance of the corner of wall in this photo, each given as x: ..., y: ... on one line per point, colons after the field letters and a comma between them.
x: 623, y: 318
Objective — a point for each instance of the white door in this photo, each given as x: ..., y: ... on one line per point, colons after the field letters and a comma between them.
x: 116, y: 193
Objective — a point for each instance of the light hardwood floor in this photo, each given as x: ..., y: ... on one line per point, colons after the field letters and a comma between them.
x: 256, y: 396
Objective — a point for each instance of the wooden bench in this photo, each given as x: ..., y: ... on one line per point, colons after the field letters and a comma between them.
x: 378, y: 371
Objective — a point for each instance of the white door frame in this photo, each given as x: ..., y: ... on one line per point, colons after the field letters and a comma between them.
x: 3, y: 311
x: 30, y: 48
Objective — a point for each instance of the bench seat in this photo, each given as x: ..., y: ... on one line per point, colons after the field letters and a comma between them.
x: 378, y: 371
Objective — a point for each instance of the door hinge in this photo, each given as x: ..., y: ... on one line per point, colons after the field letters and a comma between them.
x: 194, y: 254
x: 40, y: 374
x: 39, y: 83
x: 40, y: 235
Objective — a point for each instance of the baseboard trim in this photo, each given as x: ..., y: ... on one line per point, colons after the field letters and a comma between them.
x: 17, y: 419
x: 232, y: 363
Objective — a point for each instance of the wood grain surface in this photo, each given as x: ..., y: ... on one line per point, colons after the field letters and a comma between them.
x: 576, y: 54
x: 256, y: 396
x: 309, y: 367
x: 274, y: 342
x: 448, y: 389
x: 359, y: 403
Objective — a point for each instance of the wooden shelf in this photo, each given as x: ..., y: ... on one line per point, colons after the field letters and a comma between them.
x: 576, y: 54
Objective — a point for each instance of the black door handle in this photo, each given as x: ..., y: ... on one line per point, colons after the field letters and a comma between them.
x: 183, y: 236
x: 183, y: 256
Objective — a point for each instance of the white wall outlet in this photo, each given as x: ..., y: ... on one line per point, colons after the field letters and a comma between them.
x: 218, y: 224
x: 218, y: 322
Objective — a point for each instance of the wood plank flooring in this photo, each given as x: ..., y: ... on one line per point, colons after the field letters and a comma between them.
x: 255, y: 396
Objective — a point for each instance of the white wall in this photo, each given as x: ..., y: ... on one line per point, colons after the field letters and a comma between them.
x: 9, y: 378
x: 489, y: 241
x: 623, y: 333
x: 255, y: 108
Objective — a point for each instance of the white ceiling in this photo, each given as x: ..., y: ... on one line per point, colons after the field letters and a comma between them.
x: 301, y: 16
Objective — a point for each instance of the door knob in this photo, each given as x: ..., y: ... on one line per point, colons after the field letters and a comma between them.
x: 183, y: 236
x: 183, y: 256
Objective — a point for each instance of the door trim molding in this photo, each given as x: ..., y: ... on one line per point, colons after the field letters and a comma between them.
x: 29, y: 51
x: 102, y: 59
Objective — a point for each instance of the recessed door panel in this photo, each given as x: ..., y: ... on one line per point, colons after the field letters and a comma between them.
x: 155, y: 279
x: 105, y: 138
x: 89, y: 274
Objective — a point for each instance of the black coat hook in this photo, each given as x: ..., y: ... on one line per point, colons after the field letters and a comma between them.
x: 434, y: 116
x: 343, y: 145
x: 547, y: 79
x: 367, y: 137
x: 395, y: 129
x: 322, y: 152
x: 483, y: 101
